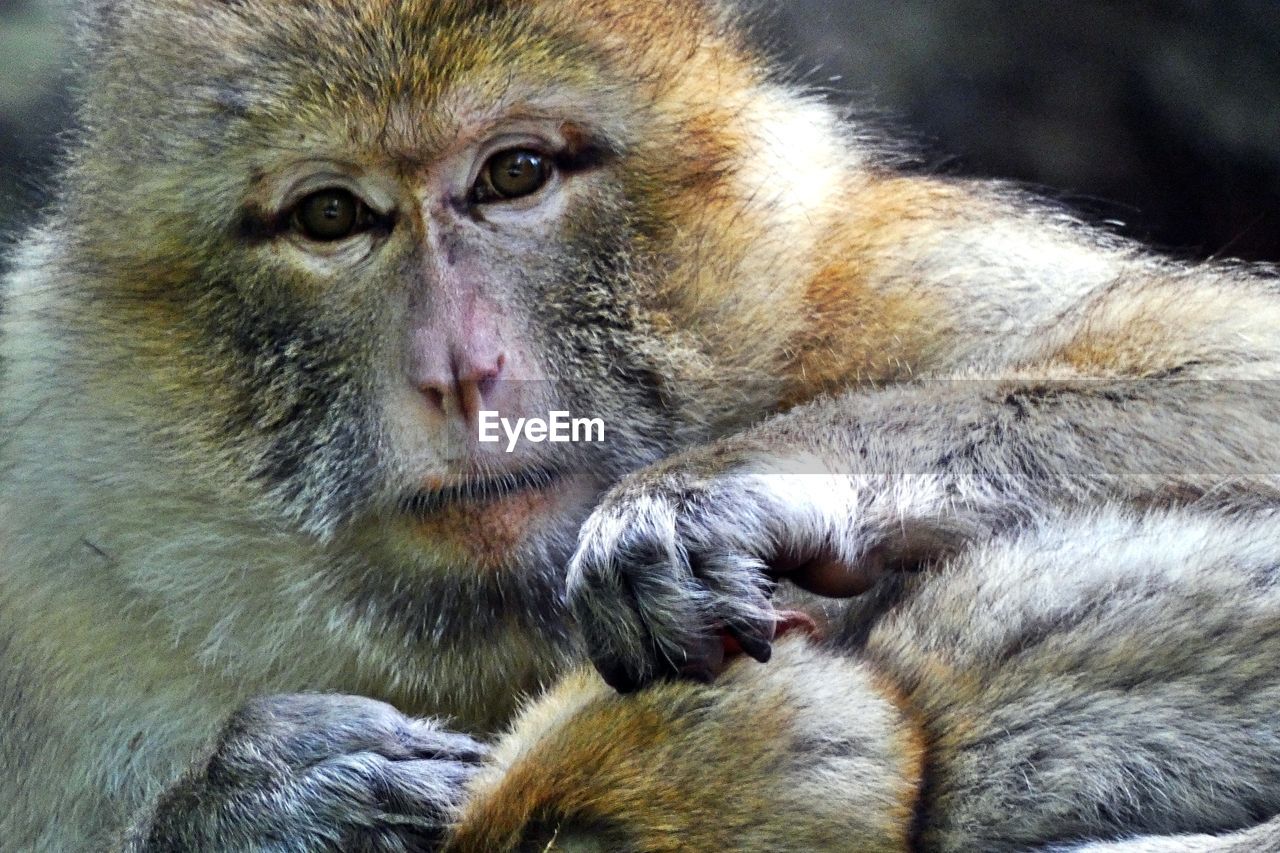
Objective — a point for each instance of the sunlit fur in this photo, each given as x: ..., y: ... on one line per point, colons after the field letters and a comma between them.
x: 1102, y: 676
x: 201, y: 458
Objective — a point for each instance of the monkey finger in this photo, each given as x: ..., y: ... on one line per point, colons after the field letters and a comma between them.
x: 424, y: 739
x: 700, y: 660
x: 613, y: 632
x: 616, y: 673
x: 370, y: 796
x: 301, y: 730
x: 704, y: 662
x: 619, y: 651
x: 422, y: 789
x: 644, y: 657
x: 616, y: 639
x: 740, y: 590
x: 641, y: 610
x: 785, y: 622
x: 685, y: 608
x: 749, y: 642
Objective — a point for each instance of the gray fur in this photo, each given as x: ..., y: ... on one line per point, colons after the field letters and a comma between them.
x: 208, y: 470
x: 346, y: 773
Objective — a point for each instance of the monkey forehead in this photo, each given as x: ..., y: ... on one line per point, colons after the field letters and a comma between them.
x: 404, y: 74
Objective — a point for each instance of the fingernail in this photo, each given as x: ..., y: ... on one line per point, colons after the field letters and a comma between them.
x: 757, y: 648
x: 617, y: 676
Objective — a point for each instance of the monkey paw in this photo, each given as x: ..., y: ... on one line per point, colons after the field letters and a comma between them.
x: 318, y: 773
x: 681, y: 555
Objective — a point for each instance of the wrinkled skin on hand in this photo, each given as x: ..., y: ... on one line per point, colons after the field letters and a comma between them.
x: 316, y: 773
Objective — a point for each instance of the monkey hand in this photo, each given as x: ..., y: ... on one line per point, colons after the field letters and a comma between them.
x: 316, y: 773
x: 679, y: 556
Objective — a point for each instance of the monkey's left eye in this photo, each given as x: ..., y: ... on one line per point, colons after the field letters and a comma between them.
x: 330, y: 214
x: 512, y: 174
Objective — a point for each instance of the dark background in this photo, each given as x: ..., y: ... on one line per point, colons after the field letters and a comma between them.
x: 1162, y: 114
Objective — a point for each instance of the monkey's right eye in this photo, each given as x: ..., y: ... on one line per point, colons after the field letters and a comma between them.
x: 330, y: 214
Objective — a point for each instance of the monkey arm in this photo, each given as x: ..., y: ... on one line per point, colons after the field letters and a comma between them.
x: 1141, y: 382
x: 923, y: 278
x: 999, y: 707
x: 832, y: 494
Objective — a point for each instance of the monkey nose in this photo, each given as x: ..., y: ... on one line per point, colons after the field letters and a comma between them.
x: 460, y: 382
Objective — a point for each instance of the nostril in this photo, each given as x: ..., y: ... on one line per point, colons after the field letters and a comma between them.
x: 487, y: 381
x: 434, y: 396
x: 468, y: 390
x: 486, y: 384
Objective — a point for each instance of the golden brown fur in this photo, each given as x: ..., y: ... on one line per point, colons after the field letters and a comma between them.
x: 228, y: 476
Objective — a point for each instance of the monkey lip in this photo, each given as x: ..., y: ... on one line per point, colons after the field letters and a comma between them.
x: 480, y: 491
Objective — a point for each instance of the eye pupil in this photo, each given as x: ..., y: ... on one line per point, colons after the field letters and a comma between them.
x: 516, y: 173
x: 328, y: 215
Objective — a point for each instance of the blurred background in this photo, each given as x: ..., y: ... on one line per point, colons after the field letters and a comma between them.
x: 1163, y: 114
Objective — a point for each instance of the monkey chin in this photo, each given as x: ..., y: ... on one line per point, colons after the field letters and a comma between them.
x: 484, y: 529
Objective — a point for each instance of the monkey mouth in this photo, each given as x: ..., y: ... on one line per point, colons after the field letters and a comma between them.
x: 481, y: 491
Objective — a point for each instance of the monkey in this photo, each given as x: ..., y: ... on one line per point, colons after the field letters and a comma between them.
x: 997, y: 706
x: 262, y: 587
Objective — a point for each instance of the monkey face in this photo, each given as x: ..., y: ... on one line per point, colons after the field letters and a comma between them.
x: 475, y: 280
x: 369, y: 223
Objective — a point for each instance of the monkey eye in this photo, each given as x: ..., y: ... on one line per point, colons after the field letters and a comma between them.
x: 511, y: 174
x: 331, y: 214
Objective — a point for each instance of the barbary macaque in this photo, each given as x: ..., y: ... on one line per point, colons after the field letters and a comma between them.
x: 261, y: 585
